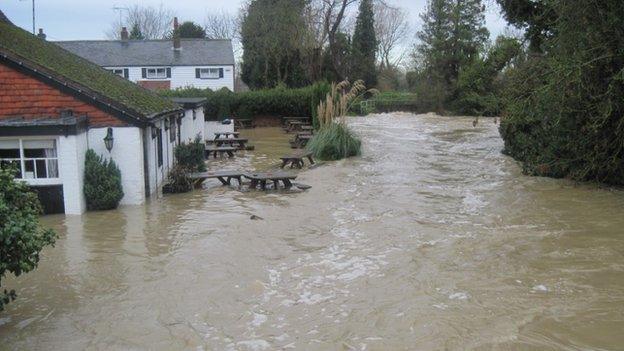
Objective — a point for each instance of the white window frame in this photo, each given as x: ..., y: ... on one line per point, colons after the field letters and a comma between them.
x: 23, y: 159
x: 155, y: 74
x: 117, y: 71
x: 208, y: 73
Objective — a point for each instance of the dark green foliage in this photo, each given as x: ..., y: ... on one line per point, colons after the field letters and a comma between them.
x: 481, y: 83
x: 337, y: 60
x: 334, y: 142
x: 536, y: 17
x: 364, y: 47
x: 452, y: 36
x: 565, y: 108
x: 21, y: 237
x: 191, y: 155
x: 135, y: 33
x: 224, y: 104
x: 273, y: 32
x: 178, y: 180
x: 189, y: 29
x: 102, y: 183
x: 76, y: 69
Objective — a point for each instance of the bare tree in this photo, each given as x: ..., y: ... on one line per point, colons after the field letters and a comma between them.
x: 221, y: 25
x: 391, y: 29
x: 153, y: 22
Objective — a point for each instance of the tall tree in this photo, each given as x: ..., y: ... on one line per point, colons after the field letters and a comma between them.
x: 153, y: 22
x: 364, y: 49
x: 189, y: 29
x: 272, y: 49
x: 452, y: 35
x: 391, y: 28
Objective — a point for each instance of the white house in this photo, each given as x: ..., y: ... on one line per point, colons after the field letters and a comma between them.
x: 162, y: 64
x: 54, y: 106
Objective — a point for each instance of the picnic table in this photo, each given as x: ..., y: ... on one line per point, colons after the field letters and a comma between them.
x: 243, y: 123
x: 226, y: 134
x: 225, y: 177
x: 299, y: 119
x: 241, y: 142
x: 275, y: 177
x: 294, y: 126
x: 307, y: 128
x: 296, y: 159
x: 220, y: 150
x: 300, y: 140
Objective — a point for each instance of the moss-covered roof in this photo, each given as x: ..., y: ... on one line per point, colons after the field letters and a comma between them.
x: 81, y: 75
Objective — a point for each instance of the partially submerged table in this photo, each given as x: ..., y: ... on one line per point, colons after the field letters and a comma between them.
x: 261, y: 179
x: 225, y: 177
x: 241, y: 142
x: 226, y: 134
x: 296, y: 159
x: 220, y: 150
x: 301, y: 140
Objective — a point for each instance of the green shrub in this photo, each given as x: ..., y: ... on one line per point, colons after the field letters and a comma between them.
x: 102, y: 183
x: 335, y: 141
x: 279, y: 101
x: 178, y: 180
x: 21, y: 237
x: 191, y: 156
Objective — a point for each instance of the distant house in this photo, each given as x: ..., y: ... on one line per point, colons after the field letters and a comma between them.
x: 162, y: 64
x: 55, y: 105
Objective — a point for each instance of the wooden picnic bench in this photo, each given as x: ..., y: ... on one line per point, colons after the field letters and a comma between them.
x: 243, y: 123
x: 300, y: 140
x: 307, y: 128
x: 241, y: 142
x: 226, y: 134
x: 294, y: 126
x: 296, y: 159
x: 220, y: 150
x: 275, y: 177
x: 225, y: 177
x: 287, y: 120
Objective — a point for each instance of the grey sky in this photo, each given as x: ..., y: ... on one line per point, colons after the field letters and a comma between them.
x: 89, y: 19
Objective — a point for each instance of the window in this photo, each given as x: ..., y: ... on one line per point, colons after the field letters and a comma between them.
x: 122, y: 72
x: 172, y: 130
x: 34, y: 159
x: 117, y: 71
x: 156, y: 73
x: 209, y: 73
x: 159, y: 145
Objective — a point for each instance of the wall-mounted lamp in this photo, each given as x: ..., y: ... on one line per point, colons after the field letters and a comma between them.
x: 154, y: 132
x: 108, y: 139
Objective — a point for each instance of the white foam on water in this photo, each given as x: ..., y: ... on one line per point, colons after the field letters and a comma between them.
x: 255, y: 344
x: 258, y: 319
x: 459, y: 296
x: 540, y: 288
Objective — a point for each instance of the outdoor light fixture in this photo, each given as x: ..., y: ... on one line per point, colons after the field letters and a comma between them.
x: 108, y: 139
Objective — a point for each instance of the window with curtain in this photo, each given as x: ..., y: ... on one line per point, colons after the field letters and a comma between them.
x: 34, y: 159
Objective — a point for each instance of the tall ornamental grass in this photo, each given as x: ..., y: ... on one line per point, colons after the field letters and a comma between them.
x: 334, y: 140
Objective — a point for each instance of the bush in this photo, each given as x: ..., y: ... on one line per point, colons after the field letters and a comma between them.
x: 280, y: 101
x: 179, y: 181
x: 335, y: 141
x: 21, y: 237
x: 102, y: 183
x: 191, y: 156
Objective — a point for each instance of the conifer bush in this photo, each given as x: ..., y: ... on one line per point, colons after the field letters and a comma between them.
x: 102, y: 183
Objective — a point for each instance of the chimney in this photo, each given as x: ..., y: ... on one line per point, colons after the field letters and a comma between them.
x: 41, y: 34
x: 176, y: 34
x: 124, y: 33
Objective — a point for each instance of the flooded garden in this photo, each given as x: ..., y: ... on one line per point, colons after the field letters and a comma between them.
x: 432, y: 240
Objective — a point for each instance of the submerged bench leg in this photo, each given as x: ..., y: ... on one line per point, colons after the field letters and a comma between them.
x: 284, y: 163
x: 311, y: 159
x: 223, y: 181
x: 287, y: 183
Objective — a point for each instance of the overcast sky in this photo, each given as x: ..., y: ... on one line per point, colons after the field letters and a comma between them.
x: 89, y: 19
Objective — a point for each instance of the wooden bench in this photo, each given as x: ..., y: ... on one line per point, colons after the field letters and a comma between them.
x: 220, y: 150
x: 261, y: 179
x: 226, y: 134
x: 241, y: 142
x: 296, y: 159
x: 225, y: 177
x: 300, y: 140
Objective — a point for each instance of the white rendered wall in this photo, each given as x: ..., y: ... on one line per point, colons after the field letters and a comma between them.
x: 211, y: 127
x: 192, y: 127
x: 184, y: 76
x: 127, y: 153
x: 71, y: 157
x: 158, y: 174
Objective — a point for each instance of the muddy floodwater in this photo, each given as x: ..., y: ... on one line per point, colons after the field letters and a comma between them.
x: 431, y: 240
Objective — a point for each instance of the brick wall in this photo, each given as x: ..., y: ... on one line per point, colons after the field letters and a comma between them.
x: 155, y: 84
x: 24, y: 96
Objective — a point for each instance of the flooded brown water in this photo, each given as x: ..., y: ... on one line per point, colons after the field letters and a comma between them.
x: 432, y: 240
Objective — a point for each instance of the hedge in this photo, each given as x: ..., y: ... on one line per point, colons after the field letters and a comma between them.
x: 223, y: 104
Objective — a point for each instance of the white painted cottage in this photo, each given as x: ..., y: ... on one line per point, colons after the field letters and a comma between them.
x: 162, y: 64
x: 54, y: 106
